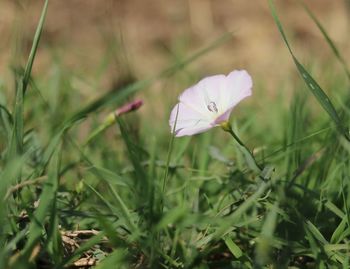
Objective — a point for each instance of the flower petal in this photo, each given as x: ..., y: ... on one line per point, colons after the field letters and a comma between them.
x: 223, y: 117
x: 188, y: 121
x: 209, y: 102
x: 239, y: 86
x: 207, y: 90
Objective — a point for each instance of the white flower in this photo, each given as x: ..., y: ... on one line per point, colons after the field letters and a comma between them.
x: 210, y: 102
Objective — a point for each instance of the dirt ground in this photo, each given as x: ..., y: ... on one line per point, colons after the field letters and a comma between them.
x: 148, y: 34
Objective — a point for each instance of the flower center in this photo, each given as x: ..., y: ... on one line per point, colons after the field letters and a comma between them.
x: 212, y: 107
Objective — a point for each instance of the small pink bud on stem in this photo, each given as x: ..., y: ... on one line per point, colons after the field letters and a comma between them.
x: 111, y: 118
x: 134, y: 105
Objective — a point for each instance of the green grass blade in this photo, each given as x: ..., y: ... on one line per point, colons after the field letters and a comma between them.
x: 328, y: 39
x: 39, y: 29
x: 124, y: 209
x: 315, y: 232
x: 265, y: 240
x: 54, y: 244
x: 337, y: 235
x: 233, y: 247
x: 170, y: 150
x: 47, y: 198
x: 106, y: 175
x: 6, y: 121
x: 313, y: 86
x: 16, y: 142
x: 134, y: 152
x: 111, y: 208
x: 114, y: 260
x: 55, y: 140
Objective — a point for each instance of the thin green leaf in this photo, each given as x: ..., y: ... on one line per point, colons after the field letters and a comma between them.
x: 232, y: 246
x: 124, y: 209
x: 16, y: 141
x: 114, y: 260
x: 339, y: 232
x: 134, y: 153
x: 29, y: 65
x: 46, y: 203
x: 316, y: 233
x: 111, y: 208
x: 328, y: 39
x: 265, y: 241
x: 313, y: 86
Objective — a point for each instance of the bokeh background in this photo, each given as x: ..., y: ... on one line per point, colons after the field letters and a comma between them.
x: 103, y: 42
x: 80, y: 30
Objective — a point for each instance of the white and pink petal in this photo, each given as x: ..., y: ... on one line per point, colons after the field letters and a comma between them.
x: 209, y: 102
x: 239, y: 86
x: 188, y: 121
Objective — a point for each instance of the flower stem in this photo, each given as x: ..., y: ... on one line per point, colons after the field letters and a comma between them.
x: 109, y: 121
x: 248, y: 155
x: 112, y: 118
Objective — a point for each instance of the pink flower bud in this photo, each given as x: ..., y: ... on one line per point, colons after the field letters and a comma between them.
x: 133, y: 105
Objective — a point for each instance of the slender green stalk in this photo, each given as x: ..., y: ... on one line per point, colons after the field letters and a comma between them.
x: 109, y: 121
x: 39, y: 29
x: 331, y: 44
x: 170, y: 149
x: 124, y: 208
x: 248, y: 155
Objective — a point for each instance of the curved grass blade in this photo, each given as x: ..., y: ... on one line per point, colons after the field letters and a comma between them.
x: 111, y: 208
x: 233, y: 247
x: 313, y: 86
x: 6, y: 114
x: 328, y: 39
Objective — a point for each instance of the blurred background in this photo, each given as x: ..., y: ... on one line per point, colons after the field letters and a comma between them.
x: 103, y: 42
x: 150, y: 32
